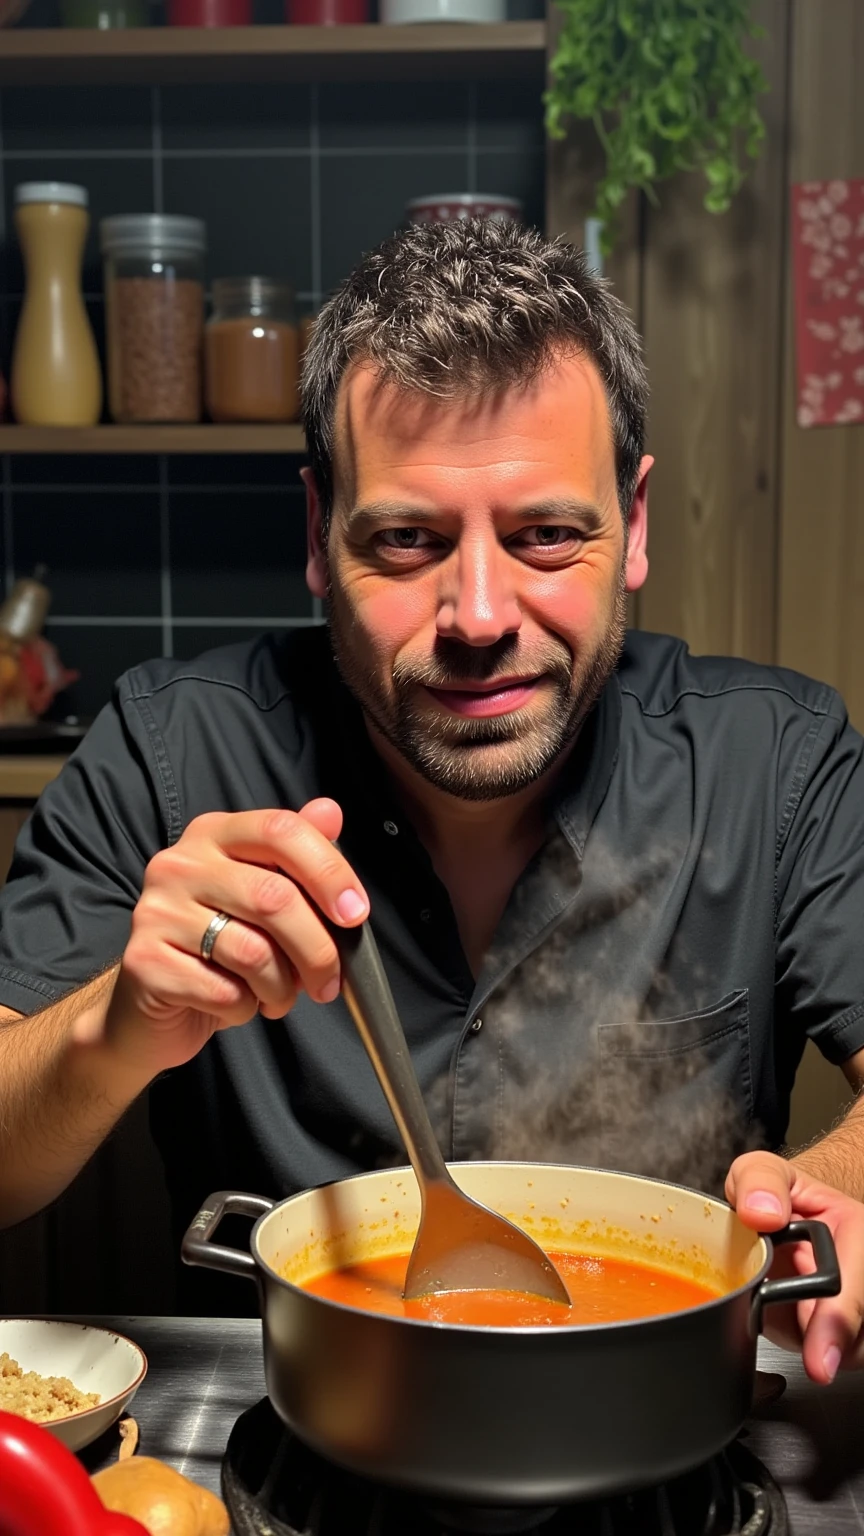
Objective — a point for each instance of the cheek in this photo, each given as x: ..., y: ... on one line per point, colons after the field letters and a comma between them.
x: 574, y: 603
x: 390, y: 615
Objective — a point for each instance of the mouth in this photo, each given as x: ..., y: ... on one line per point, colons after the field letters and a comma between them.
x: 501, y: 696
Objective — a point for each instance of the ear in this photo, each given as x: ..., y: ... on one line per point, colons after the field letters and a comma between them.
x: 316, y: 549
x: 637, y: 531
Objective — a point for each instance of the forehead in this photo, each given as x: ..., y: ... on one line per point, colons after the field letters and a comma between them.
x: 556, y: 428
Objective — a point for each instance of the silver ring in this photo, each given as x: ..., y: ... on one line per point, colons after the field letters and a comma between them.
x: 212, y: 932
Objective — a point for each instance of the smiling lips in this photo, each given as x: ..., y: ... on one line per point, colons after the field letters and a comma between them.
x: 499, y: 697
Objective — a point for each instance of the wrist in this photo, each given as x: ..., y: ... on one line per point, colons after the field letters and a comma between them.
x: 123, y: 1044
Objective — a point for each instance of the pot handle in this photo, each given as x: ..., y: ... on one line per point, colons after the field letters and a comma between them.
x: 196, y: 1247
x: 825, y: 1280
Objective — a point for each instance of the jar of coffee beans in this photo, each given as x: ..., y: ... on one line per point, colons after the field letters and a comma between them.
x: 154, y: 303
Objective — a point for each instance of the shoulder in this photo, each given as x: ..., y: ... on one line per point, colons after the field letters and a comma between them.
x: 660, y: 676
x: 261, y: 673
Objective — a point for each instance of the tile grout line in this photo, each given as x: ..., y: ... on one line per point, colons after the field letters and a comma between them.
x: 90, y: 297
x: 156, y: 146
x: 111, y: 488
x: 165, y: 557
x: 315, y: 194
x: 472, y: 137
x: 262, y: 152
x: 8, y: 525
x: 188, y: 621
x: 2, y: 181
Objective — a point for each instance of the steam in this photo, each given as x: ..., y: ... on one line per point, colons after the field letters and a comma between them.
x: 608, y: 1064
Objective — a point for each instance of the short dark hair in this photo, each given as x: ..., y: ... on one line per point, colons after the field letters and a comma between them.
x: 454, y: 309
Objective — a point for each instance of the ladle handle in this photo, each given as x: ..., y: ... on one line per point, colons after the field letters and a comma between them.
x: 367, y: 992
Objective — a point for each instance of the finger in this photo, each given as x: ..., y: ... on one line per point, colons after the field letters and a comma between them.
x: 183, y: 982
x: 833, y: 1331
x: 257, y: 959
x: 288, y: 841
x: 271, y: 917
x: 759, y: 1186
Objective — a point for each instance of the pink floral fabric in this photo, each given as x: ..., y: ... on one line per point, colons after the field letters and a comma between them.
x: 828, y: 247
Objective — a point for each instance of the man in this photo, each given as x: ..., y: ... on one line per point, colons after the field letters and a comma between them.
x: 615, y: 889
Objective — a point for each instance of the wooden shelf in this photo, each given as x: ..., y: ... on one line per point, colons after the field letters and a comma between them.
x: 23, y: 778
x: 56, y: 55
x: 192, y: 439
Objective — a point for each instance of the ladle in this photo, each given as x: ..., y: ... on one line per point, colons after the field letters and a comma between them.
x: 460, y: 1245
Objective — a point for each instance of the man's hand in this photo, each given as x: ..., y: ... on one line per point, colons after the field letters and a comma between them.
x: 274, y: 872
x: 767, y: 1192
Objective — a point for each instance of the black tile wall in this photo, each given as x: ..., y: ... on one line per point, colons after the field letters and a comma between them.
x: 101, y: 548
x: 246, y: 117
x: 79, y: 469
x: 192, y: 640
x: 276, y: 469
x: 410, y: 115
x: 239, y: 553
x: 257, y: 212
x: 157, y: 556
x: 101, y: 118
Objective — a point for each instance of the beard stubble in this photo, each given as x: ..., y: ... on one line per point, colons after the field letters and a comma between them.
x: 483, y: 759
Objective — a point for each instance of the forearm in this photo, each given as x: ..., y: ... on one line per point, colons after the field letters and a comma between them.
x: 59, y: 1098
x: 838, y: 1157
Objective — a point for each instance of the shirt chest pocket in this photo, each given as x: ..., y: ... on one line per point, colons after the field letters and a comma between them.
x: 677, y: 1094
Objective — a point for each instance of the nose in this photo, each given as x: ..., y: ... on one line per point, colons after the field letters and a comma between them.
x: 478, y: 603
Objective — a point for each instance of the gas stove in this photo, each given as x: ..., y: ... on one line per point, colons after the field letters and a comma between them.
x: 275, y: 1486
x: 206, y: 1375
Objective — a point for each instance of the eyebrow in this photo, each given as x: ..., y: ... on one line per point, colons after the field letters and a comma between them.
x: 557, y: 509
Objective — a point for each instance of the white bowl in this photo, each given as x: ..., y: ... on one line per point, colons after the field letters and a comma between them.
x: 94, y: 1359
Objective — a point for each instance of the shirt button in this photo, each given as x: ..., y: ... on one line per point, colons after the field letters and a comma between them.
x: 426, y: 915
x: 476, y: 1026
x: 391, y: 829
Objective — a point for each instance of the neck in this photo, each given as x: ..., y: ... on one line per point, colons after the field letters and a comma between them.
x: 450, y: 827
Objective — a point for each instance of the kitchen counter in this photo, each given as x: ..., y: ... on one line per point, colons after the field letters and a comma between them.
x: 203, y: 1373
x: 24, y: 778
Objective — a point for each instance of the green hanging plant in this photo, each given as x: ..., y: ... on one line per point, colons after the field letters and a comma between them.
x: 668, y: 86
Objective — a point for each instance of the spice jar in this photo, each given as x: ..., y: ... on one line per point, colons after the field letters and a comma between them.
x: 154, y: 303
x: 252, y: 351
x: 56, y: 380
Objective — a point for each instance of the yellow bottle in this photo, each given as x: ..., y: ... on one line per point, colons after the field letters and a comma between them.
x: 56, y: 380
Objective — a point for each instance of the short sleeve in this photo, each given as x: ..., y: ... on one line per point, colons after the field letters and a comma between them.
x: 78, y: 867
x: 820, y: 890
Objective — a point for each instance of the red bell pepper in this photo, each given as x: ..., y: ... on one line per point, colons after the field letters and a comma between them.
x: 44, y: 1490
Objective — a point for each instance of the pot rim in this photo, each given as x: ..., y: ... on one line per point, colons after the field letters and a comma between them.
x: 554, y: 1330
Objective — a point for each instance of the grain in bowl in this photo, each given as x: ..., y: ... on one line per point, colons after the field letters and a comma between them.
x: 40, y: 1398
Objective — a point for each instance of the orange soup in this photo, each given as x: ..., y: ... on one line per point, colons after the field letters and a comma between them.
x: 601, y: 1291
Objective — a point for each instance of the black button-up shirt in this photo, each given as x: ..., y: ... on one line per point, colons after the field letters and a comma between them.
x: 696, y: 912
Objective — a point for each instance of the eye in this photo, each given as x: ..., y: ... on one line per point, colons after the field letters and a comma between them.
x: 549, y: 536
x: 406, y: 538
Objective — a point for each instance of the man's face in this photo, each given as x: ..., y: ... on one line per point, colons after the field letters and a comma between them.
x: 476, y: 570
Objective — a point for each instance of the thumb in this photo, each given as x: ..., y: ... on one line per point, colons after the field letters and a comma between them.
x: 759, y: 1186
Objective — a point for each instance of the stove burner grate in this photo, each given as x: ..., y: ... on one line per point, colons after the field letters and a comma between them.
x: 275, y: 1486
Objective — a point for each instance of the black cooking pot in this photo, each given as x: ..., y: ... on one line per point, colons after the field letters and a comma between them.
x: 512, y: 1415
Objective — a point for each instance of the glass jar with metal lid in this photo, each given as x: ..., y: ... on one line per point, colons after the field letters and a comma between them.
x: 252, y: 351
x: 154, y: 298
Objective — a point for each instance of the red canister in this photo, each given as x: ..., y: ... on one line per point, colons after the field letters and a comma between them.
x: 210, y: 13
x: 326, y: 13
